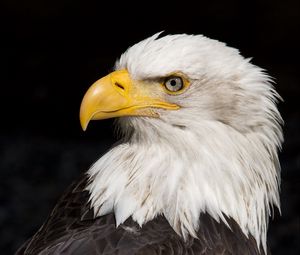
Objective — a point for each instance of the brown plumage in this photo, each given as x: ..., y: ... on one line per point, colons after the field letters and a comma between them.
x: 72, y: 229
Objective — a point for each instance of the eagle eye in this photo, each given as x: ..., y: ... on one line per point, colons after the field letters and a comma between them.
x: 174, y: 83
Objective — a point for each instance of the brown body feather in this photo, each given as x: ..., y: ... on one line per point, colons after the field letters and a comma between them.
x: 72, y: 229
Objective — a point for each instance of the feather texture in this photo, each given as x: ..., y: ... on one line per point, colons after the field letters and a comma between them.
x: 72, y: 229
x: 199, y: 180
x: 217, y: 154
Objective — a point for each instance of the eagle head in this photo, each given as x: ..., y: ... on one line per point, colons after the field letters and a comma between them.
x: 200, y: 135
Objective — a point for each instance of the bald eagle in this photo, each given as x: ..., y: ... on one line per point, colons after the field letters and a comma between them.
x: 197, y: 169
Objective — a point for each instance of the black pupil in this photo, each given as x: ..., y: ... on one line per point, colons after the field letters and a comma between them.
x: 173, y: 82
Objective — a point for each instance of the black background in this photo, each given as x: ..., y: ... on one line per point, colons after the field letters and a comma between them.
x: 52, y: 51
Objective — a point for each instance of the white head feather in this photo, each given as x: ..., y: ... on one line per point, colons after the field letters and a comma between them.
x: 216, y: 154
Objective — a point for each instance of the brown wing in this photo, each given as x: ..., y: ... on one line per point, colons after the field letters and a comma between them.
x: 72, y: 229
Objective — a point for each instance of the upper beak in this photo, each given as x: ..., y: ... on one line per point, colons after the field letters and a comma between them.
x: 117, y: 95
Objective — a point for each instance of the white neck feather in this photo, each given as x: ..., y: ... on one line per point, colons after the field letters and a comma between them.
x: 183, y: 172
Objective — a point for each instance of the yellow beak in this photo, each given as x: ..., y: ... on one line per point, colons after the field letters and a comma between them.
x: 117, y: 95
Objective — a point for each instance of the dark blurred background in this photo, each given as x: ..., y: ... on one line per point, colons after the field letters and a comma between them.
x: 52, y: 51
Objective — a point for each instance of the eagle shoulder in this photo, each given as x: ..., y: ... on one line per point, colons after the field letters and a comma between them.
x: 72, y: 229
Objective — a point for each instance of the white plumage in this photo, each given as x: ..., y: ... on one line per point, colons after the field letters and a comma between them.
x: 216, y: 154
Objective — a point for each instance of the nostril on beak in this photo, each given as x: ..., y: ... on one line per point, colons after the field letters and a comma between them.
x: 119, y: 85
